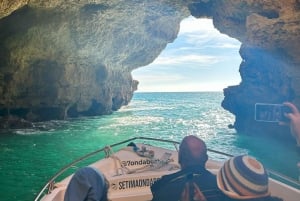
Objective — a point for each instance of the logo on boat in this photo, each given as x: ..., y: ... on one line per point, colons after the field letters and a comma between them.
x: 138, y: 162
x: 134, y: 183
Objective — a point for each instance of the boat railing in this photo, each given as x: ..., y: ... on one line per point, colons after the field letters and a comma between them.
x: 49, y: 186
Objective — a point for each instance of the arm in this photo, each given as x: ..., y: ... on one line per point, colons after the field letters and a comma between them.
x: 294, y: 123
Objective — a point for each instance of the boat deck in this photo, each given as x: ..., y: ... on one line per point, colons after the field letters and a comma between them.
x: 130, y: 173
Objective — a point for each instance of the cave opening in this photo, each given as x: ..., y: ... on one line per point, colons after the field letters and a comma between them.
x: 199, y: 59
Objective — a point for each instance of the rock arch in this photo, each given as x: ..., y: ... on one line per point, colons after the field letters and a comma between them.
x: 93, y: 47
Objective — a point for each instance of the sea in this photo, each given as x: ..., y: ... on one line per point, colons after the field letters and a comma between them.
x: 29, y: 157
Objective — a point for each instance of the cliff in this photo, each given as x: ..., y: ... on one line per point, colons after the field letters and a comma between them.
x: 66, y: 59
x: 270, y: 33
x: 69, y: 58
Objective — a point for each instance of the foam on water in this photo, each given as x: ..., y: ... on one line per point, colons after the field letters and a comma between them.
x: 33, y: 155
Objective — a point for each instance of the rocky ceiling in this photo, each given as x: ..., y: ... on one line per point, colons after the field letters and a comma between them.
x: 71, y: 58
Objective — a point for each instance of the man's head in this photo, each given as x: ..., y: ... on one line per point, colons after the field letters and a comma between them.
x: 192, y: 151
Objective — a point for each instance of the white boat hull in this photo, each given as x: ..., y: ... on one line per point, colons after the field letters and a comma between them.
x: 131, y: 175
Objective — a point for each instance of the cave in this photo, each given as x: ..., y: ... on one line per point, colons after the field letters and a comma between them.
x: 76, y: 55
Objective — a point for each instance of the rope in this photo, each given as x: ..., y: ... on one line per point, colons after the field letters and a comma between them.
x: 108, y: 151
x: 121, y: 168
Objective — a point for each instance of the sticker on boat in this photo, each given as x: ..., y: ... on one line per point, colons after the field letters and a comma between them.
x: 138, y: 162
x: 133, y: 183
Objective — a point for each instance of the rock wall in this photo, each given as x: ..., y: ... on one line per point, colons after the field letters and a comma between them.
x: 69, y: 58
x: 270, y: 36
x: 63, y: 59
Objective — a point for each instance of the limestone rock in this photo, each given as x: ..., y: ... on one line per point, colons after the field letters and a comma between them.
x: 69, y: 58
x: 9, y: 6
x: 269, y: 31
x: 66, y: 59
x: 14, y: 122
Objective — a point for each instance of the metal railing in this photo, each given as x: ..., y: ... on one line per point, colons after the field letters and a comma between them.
x: 50, y: 184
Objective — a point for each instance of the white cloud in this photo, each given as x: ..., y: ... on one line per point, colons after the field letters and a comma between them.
x: 228, y: 45
x: 200, y: 59
x: 176, y: 87
x: 202, y: 31
x: 157, y: 77
x: 193, y: 25
x: 184, y: 59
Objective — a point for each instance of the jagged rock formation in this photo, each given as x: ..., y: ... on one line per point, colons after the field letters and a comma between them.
x: 270, y: 33
x: 69, y: 58
x: 63, y: 59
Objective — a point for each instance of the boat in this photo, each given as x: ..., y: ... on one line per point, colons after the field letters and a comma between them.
x: 131, y: 166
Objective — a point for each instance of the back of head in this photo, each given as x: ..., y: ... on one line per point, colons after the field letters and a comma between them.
x: 243, y: 177
x: 192, y: 151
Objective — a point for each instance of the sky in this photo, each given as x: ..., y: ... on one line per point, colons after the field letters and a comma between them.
x: 200, y: 59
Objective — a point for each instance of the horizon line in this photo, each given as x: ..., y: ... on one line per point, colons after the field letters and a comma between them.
x: 175, y: 91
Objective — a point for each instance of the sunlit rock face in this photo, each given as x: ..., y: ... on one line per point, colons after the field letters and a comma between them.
x: 70, y: 58
x: 270, y: 35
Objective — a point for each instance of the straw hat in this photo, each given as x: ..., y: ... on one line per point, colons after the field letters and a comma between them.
x: 243, y: 177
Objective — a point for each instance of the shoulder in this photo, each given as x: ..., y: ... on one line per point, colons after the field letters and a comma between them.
x: 169, y: 183
x: 272, y: 198
x: 203, y: 173
x: 206, y: 176
x: 165, y: 179
x: 268, y: 198
x: 175, y: 183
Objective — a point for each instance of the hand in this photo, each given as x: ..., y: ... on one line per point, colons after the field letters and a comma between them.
x: 294, y: 117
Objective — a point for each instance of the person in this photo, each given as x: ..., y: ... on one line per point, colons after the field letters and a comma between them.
x: 244, y: 178
x: 87, y: 184
x: 193, y: 180
x: 294, y: 121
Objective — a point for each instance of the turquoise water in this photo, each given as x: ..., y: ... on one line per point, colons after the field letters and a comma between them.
x: 30, y: 157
